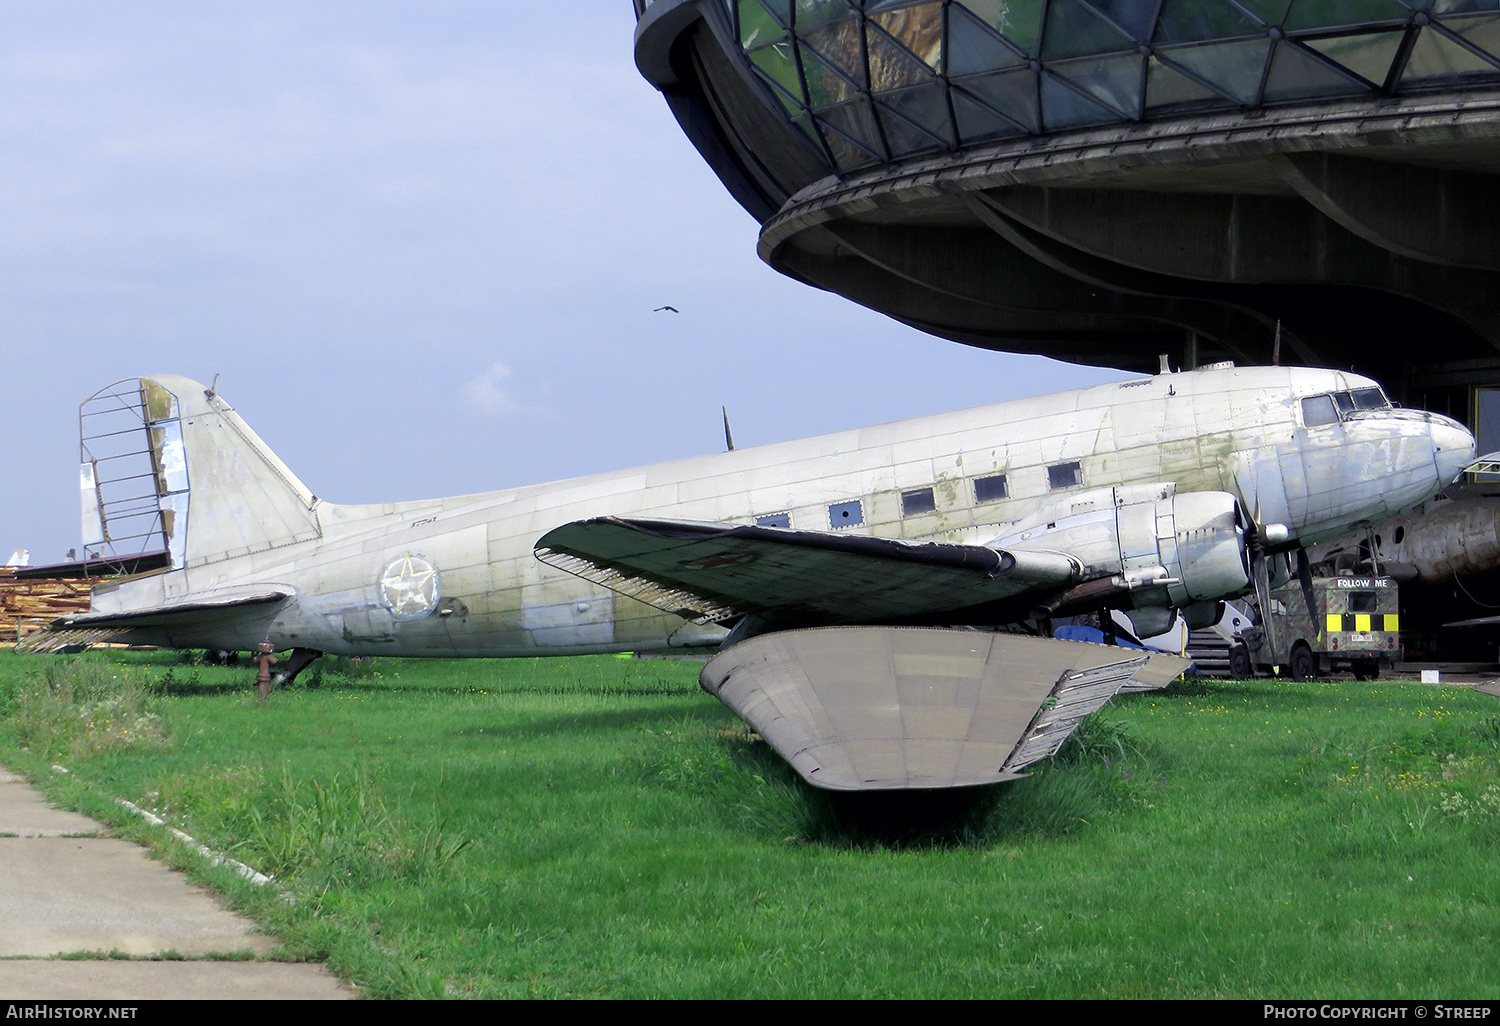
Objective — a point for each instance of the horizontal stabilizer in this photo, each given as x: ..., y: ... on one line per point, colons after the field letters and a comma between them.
x: 53, y: 639
x: 1489, y: 463
x: 883, y: 708
x: 1480, y: 621
x: 178, y: 614
x: 98, y: 566
x: 714, y: 572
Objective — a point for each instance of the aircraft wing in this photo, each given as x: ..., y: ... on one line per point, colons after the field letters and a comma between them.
x: 714, y: 572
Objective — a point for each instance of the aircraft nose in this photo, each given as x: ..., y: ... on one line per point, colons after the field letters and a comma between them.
x: 1452, y: 448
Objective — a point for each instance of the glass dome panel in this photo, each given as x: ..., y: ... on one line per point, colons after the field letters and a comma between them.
x: 1063, y: 107
x: 1235, y: 69
x: 1369, y: 56
x: 756, y: 26
x: 1481, y: 31
x: 1184, y: 21
x: 1168, y: 87
x: 892, y: 66
x: 972, y: 47
x: 1012, y: 93
x: 978, y: 123
x: 1074, y: 29
x: 1309, y: 14
x: 919, y: 29
x: 808, y: 14
x: 1435, y: 57
x: 1297, y: 75
x: 1116, y: 81
x: 1019, y: 21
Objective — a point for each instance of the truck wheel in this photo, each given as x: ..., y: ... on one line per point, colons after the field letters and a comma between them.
x: 1304, y: 664
x: 1239, y: 663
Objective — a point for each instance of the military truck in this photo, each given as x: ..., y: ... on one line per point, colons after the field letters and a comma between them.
x: 1353, y: 625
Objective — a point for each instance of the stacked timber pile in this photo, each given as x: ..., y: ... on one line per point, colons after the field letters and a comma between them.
x: 26, y: 605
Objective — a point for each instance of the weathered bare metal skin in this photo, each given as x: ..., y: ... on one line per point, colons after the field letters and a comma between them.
x: 1446, y: 538
x: 878, y: 708
x: 253, y: 527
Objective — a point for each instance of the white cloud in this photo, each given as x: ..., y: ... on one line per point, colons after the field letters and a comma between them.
x: 487, y: 395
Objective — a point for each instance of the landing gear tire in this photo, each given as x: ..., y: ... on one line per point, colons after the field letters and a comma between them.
x: 1304, y: 664
x: 1239, y: 663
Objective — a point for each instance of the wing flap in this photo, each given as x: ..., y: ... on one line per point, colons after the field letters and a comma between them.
x: 714, y: 572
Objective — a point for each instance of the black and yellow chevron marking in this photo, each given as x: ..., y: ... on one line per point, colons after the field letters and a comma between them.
x: 1363, y: 622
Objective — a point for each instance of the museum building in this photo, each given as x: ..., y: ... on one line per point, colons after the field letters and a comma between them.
x: 1104, y: 181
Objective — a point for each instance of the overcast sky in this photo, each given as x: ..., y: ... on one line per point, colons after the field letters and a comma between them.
x: 420, y: 244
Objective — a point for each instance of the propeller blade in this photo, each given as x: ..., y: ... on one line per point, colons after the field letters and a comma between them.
x: 1304, y: 574
x: 1262, y: 574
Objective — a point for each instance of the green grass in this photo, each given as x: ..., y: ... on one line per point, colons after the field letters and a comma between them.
x: 599, y: 827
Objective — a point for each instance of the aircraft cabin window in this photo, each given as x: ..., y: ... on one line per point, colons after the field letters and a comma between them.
x: 990, y: 489
x: 1064, y: 475
x: 1318, y: 410
x: 774, y: 520
x: 846, y: 514
x: 919, y: 501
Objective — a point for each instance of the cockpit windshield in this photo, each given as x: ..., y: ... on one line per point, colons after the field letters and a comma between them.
x: 1336, y: 406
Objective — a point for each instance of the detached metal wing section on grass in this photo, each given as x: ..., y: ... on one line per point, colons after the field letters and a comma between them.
x: 716, y: 572
x: 881, y: 708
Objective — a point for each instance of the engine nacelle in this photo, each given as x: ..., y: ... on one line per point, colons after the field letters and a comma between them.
x: 1164, y: 549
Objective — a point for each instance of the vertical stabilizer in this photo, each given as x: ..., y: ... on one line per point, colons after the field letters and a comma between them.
x: 168, y: 466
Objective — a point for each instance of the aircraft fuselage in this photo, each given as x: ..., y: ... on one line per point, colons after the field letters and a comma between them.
x: 458, y: 577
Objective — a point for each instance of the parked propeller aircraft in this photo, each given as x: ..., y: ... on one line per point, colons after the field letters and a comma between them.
x: 1445, y: 554
x: 858, y: 582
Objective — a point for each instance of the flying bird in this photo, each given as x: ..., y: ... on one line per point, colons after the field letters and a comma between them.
x: 669, y: 309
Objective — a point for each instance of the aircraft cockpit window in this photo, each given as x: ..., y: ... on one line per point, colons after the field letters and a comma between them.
x: 1318, y: 410
x: 846, y: 514
x: 1336, y: 406
x: 774, y: 520
x: 919, y: 501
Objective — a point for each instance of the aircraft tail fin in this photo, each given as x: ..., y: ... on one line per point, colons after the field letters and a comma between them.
x: 169, y: 467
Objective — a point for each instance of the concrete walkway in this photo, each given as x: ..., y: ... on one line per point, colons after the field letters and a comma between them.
x: 66, y: 888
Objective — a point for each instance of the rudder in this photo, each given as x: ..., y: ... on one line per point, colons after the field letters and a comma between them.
x: 168, y: 466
